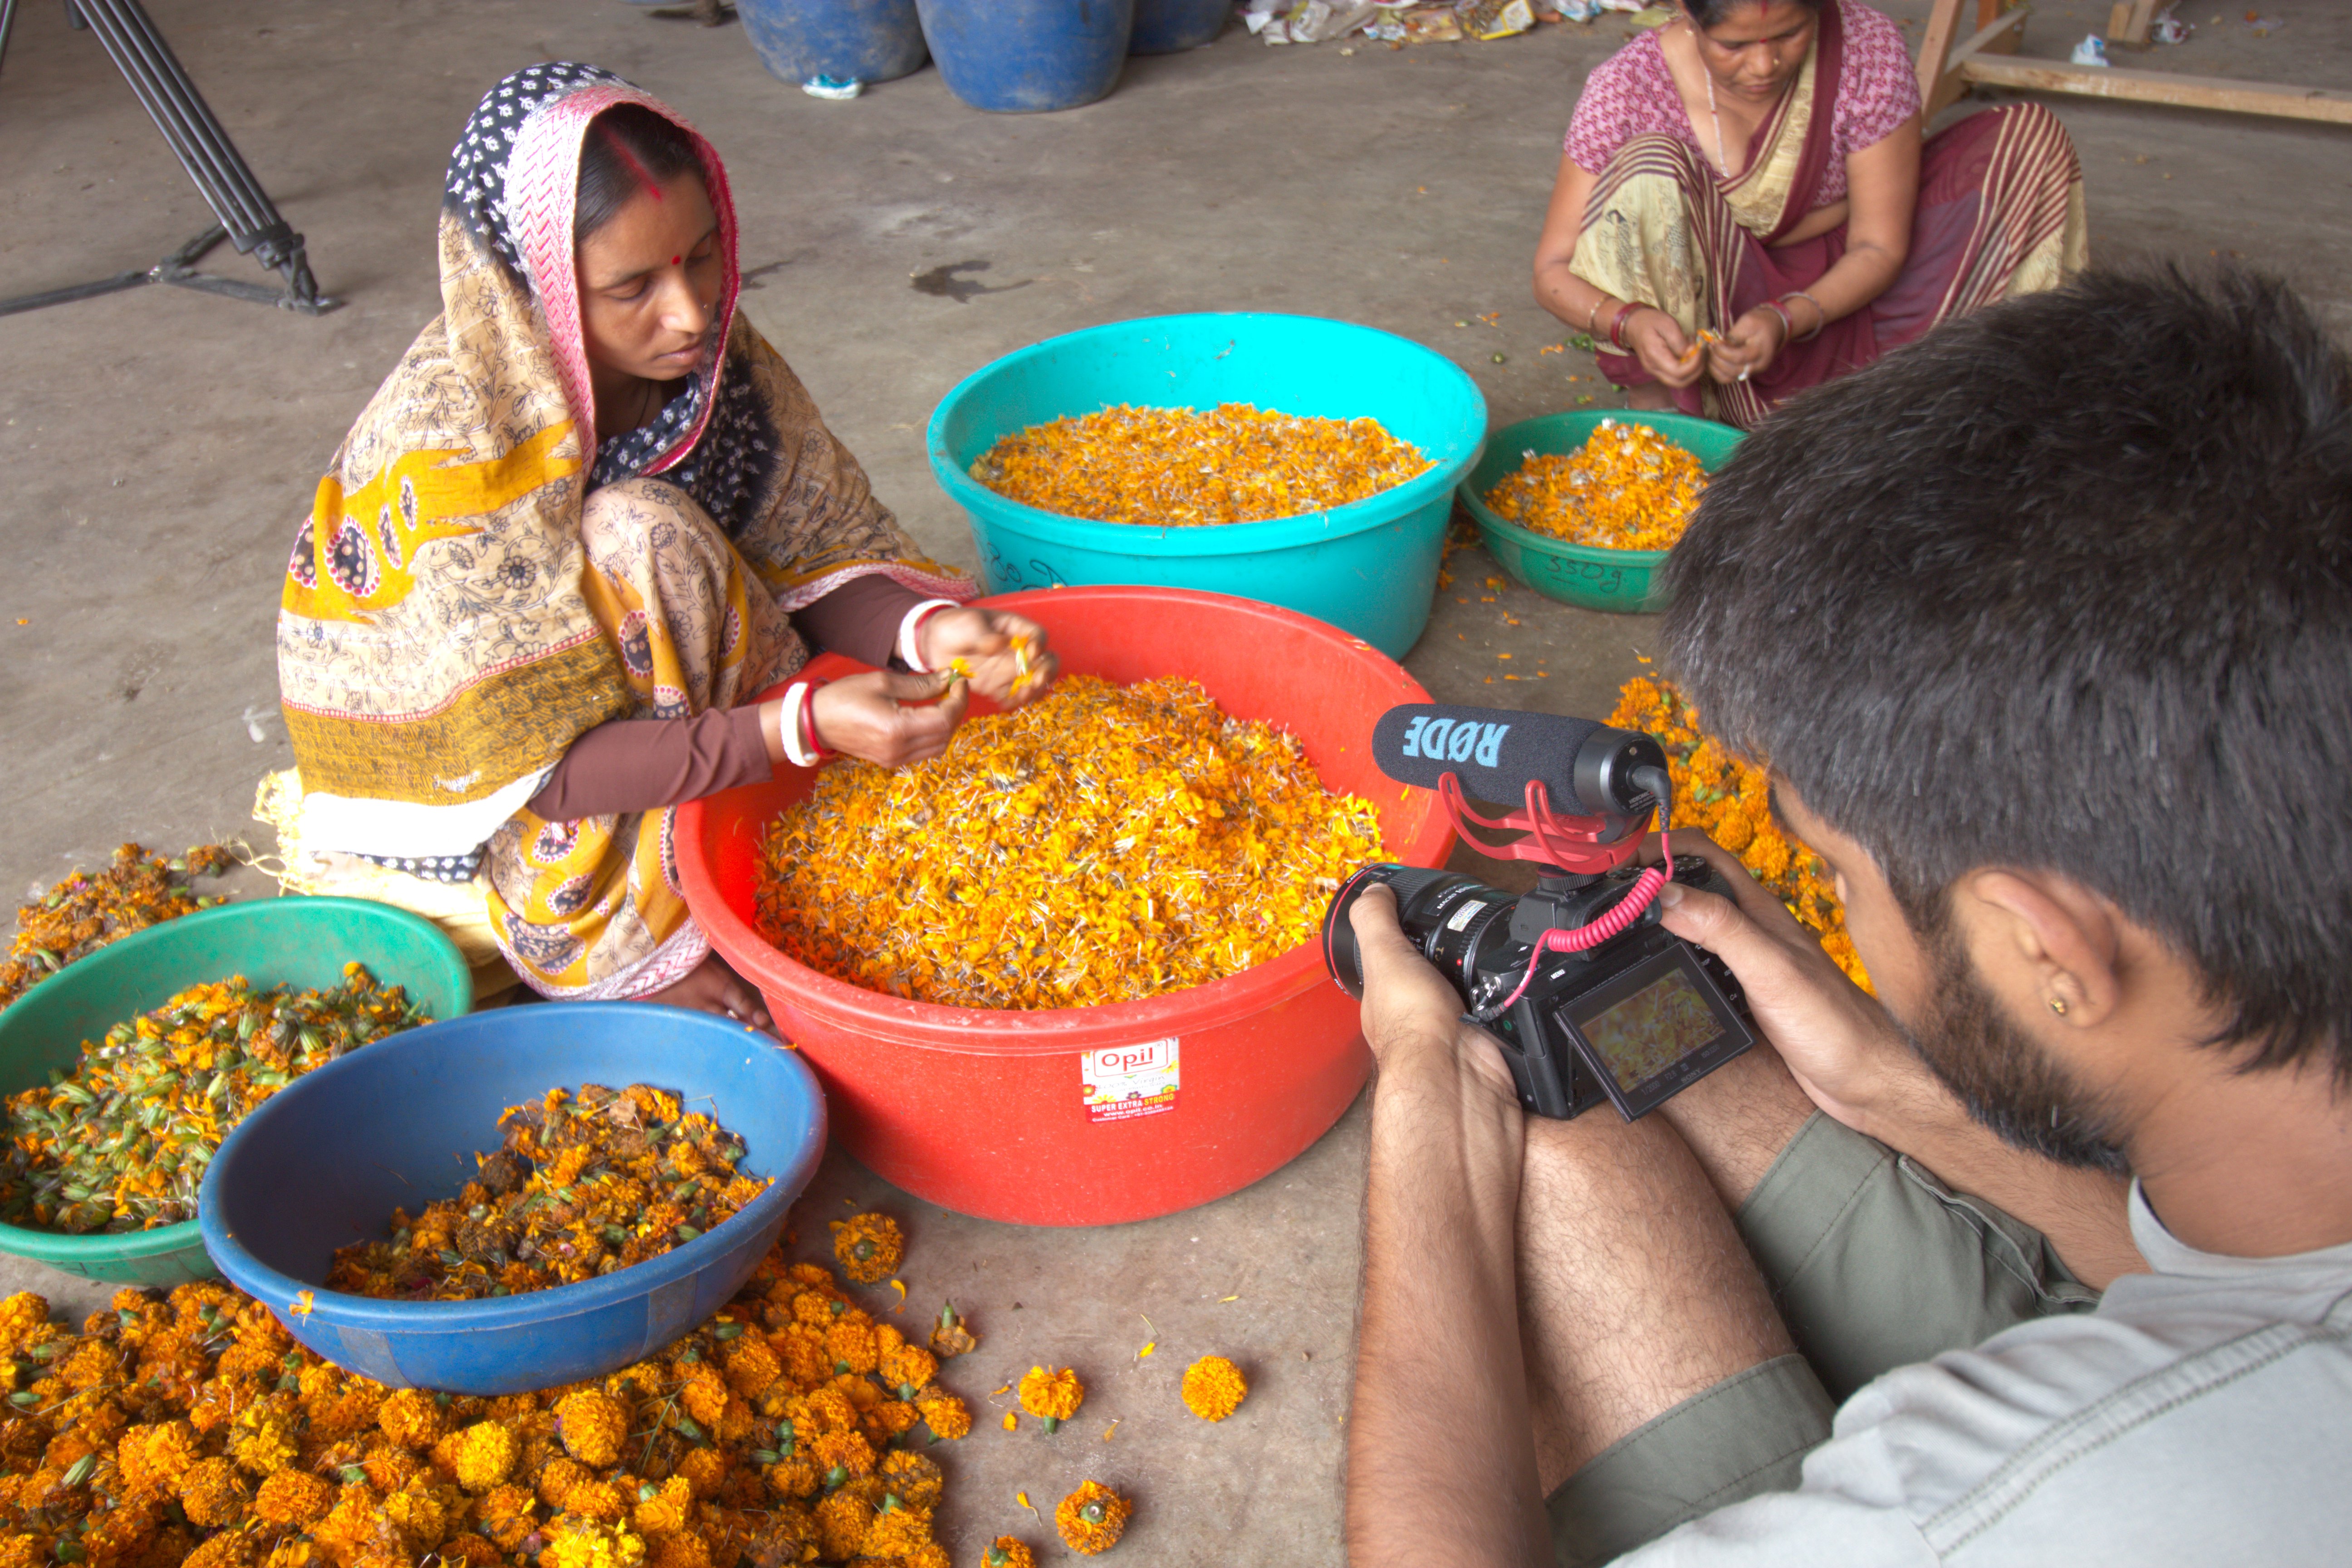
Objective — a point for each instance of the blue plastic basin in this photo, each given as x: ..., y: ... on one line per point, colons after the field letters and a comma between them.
x: 324, y: 1163
x: 1369, y: 568
x: 1026, y: 57
x: 849, y: 40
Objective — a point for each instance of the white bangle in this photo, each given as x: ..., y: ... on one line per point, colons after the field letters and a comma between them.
x: 910, y: 654
x: 796, y: 698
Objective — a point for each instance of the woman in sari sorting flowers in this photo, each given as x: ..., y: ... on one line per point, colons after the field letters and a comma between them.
x: 1745, y: 207
x: 586, y: 520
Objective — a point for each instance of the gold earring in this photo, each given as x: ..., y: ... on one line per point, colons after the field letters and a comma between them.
x: 2058, y: 1005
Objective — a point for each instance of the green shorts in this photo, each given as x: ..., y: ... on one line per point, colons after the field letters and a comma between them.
x: 1873, y: 1264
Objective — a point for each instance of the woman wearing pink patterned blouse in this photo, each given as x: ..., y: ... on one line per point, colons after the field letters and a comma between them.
x: 1745, y: 207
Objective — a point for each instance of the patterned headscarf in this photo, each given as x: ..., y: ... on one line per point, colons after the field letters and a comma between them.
x: 513, y: 182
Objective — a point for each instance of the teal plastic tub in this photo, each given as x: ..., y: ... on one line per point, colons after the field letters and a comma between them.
x: 1583, y: 574
x: 1369, y: 568
x: 297, y: 941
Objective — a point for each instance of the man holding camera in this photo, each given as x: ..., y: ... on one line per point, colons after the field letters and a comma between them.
x: 2044, y: 624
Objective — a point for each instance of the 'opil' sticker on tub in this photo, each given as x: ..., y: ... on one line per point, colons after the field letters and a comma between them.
x: 1120, y: 1082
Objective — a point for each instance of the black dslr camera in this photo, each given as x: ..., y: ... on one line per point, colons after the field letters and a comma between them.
x: 1589, y: 997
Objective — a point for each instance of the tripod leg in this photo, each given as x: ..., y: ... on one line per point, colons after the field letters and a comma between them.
x: 203, y: 147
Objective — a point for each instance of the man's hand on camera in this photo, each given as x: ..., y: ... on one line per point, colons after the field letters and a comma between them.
x: 1837, y: 1040
x: 1411, y: 1016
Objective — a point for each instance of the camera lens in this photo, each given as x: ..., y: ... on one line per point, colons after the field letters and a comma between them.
x: 1445, y: 916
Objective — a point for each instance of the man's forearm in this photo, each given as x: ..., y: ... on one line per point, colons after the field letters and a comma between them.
x: 1441, y: 1450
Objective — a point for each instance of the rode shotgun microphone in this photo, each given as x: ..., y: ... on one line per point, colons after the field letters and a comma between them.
x: 1585, y: 768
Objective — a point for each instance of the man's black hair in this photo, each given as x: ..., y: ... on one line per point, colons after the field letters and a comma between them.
x: 627, y: 148
x: 2068, y: 584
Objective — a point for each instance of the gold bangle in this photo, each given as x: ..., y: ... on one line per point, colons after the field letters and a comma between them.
x: 1592, y: 316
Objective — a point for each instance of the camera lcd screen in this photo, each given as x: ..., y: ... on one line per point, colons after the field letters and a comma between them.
x: 1657, y: 1028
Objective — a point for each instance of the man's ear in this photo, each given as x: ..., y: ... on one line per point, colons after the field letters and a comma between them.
x: 2043, y: 944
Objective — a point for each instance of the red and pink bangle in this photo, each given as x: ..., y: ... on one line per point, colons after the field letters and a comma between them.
x: 1617, y: 324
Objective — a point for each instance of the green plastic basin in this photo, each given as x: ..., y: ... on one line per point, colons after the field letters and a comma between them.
x: 298, y: 941
x: 1584, y: 574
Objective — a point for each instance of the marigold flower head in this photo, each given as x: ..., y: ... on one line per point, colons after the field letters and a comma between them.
x: 1213, y: 1388
x: 952, y: 1336
x: 420, y: 1513
x: 293, y: 1499
x: 852, y: 1347
x: 899, y: 1528
x: 593, y: 1425
x: 228, y: 1549
x: 468, y: 1549
x: 598, y: 1498
x: 908, y: 1366
x: 670, y: 1506
x: 1091, y: 1519
x: 153, y: 1460
x: 24, y: 1317
x: 508, y: 1515
x: 705, y: 1471
x: 1008, y: 1551
x: 870, y: 1247
x: 842, y: 1523
x: 209, y: 1493
x: 794, y: 1476
x: 917, y: 1479
x: 1053, y: 1395
x: 412, y: 1418
x: 704, y: 1396
x: 574, y: 1542
x: 846, y: 1451
x: 751, y: 1367
x: 485, y: 1455
x: 682, y: 1549
x: 946, y: 1415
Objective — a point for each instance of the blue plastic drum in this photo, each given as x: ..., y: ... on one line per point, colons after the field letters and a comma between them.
x: 325, y: 1162
x: 848, y: 40
x: 1023, y: 57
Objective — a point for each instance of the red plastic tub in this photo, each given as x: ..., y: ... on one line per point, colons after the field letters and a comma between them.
x: 986, y: 1112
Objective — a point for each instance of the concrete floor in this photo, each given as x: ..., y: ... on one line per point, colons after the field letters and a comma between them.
x: 160, y: 447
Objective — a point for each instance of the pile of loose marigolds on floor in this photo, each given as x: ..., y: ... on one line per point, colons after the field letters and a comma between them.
x: 1627, y: 487
x: 192, y: 1429
x: 86, y: 912
x: 583, y: 1184
x: 120, y: 1144
x: 1730, y: 801
x: 1102, y: 844
x: 1181, y: 468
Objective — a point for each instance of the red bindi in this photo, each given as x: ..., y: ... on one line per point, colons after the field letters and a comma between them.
x: 676, y: 260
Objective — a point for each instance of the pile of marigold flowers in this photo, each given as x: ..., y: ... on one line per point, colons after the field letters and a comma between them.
x: 85, y: 913
x: 120, y: 1144
x: 582, y: 1185
x: 1729, y: 799
x: 1181, y: 468
x: 193, y: 1429
x: 1627, y: 487
x: 1104, y: 844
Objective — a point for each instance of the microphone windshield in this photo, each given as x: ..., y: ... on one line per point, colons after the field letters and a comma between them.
x: 1585, y: 767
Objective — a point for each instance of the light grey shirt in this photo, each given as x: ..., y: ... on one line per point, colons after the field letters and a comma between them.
x: 2202, y: 1415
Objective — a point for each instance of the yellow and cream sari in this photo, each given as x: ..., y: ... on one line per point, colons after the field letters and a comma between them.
x: 455, y: 613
